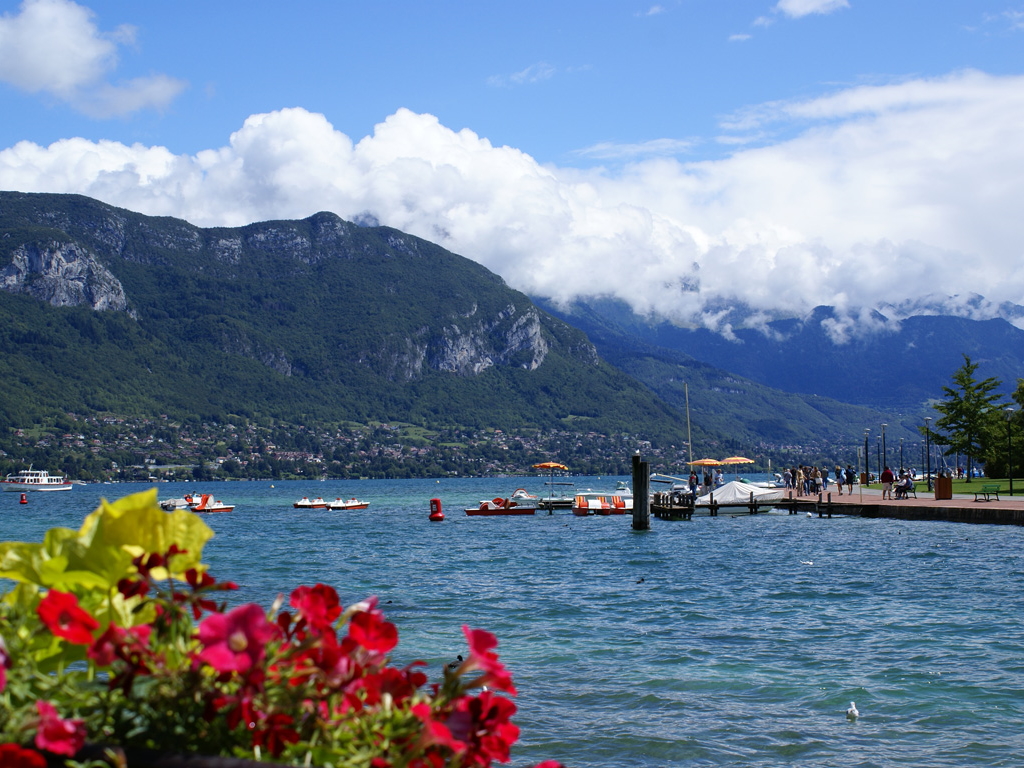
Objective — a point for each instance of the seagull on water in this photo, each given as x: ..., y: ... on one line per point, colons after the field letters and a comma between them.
x: 852, y: 713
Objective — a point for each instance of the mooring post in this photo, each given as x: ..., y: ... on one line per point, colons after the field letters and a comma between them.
x: 641, y: 494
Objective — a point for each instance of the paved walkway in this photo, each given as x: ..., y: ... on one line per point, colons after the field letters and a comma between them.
x: 924, y: 498
x: 961, y: 508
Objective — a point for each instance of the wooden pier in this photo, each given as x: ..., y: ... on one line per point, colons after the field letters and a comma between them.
x: 962, y: 508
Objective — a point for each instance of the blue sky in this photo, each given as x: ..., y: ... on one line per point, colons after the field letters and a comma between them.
x: 772, y: 154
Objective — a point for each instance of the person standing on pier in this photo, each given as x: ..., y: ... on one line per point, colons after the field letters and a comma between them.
x: 886, y: 480
x: 849, y: 479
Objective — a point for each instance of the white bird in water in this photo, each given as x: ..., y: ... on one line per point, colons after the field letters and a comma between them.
x: 806, y: 562
x: 852, y: 713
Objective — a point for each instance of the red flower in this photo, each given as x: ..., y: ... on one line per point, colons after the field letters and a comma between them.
x: 480, y: 657
x: 132, y: 587
x: 201, y: 583
x: 435, y: 733
x: 318, y: 605
x: 60, y: 613
x: 274, y: 732
x: 235, y: 641
x: 13, y: 756
x: 484, y: 724
x: 372, y: 632
x: 62, y: 737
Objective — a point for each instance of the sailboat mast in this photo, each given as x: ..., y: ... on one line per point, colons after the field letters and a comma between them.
x: 689, y: 441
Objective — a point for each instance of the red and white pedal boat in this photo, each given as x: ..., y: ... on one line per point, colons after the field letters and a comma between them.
x: 519, y: 503
x: 617, y: 502
x: 350, y: 504
x: 306, y: 503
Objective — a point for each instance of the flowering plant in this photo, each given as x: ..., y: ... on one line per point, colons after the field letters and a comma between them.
x: 117, y: 634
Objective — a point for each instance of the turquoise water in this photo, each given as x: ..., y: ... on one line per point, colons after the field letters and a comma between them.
x: 742, y: 646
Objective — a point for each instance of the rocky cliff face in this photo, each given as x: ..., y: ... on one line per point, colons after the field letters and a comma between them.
x: 74, y: 250
x: 467, y: 346
x: 64, y: 275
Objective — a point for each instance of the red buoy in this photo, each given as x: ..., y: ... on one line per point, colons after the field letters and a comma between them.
x: 436, y: 515
x: 24, y: 499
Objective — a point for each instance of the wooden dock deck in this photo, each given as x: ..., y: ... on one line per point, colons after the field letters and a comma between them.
x: 962, y: 508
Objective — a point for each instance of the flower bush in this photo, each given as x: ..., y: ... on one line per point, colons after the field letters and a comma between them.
x: 117, y: 634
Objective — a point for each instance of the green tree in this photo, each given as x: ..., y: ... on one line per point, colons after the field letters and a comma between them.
x: 969, y: 414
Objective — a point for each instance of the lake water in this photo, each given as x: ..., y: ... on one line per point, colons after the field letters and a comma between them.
x: 728, y: 641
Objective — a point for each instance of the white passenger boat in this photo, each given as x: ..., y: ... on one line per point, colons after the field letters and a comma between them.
x: 35, y: 480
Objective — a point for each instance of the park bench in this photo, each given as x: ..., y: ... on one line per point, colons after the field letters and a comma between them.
x: 988, y: 491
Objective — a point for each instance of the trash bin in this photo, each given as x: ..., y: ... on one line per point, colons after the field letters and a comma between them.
x: 864, y: 479
x: 943, y: 487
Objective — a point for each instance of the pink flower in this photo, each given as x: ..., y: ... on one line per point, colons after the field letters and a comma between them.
x: 5, y: 664
x: 62, y: 737
x: 60, y: 613
x: 235, y: 641
x: 480, y: 657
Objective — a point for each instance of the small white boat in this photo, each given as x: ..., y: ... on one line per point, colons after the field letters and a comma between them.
x: 170, y: 505
x: 617, y: 502
x: 349, y: 504
x: 306, y: 503
x: 35, y: 480
x: 519, y: 503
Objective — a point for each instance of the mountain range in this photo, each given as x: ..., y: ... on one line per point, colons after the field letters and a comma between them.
x: 103, y: 310
x: 319, y: 320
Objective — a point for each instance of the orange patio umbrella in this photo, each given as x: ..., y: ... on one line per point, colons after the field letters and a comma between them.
x: 706, y: 463
x: 737, y: 460
x: 552, y: 465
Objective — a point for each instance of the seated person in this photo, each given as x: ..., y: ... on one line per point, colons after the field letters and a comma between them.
x: 904, y: 486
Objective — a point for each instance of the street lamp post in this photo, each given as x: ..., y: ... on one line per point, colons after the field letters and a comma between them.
x: 928, y: 449
x: 901, y: 455
x: 867, y: 469
x: 878, y: 451
x: 885, y: 456
x: 1009, y: 447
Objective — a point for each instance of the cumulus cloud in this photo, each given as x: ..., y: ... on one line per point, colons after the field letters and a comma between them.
x: 799, y: 8
x: 902, y: 196
x: 53, y: 46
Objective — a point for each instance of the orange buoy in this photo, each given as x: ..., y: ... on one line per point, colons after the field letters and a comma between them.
x: 436, y: 515
x: 24, y: 499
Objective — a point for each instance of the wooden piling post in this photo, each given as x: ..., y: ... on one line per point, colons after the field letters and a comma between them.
x: 641, y: 494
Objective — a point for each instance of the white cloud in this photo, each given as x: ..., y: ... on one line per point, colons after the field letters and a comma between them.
x: 739, y: 38
x: 53, y: 46
x: 897, y: 195
x: 532, y: 74
x: 799, y: 8
x: 654, y: 148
